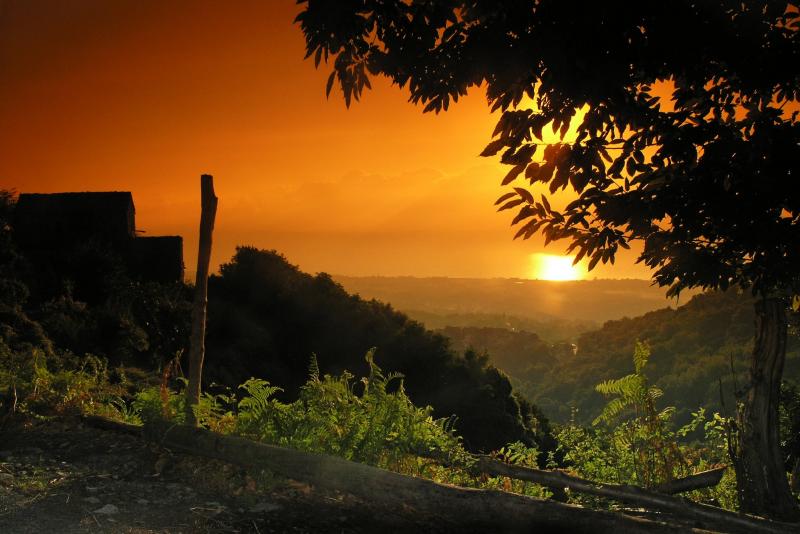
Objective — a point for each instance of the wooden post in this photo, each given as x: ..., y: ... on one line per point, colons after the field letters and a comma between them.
x: 197, y: 347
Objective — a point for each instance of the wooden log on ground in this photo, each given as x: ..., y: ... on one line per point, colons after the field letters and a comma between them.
x: 476, y: 510
x: 107, y: 424
x: 704, y: 479
x: 704, y: 516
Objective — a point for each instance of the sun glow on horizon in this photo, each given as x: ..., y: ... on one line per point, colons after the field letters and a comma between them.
x: 555, y: 268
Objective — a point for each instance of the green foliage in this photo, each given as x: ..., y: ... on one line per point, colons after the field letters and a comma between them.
x: 461, y: 326
x: 35, y: 388
x: 595, y: 454
x: 371, y: 420
x: 266, y: 318
x: 643, y: 431
x: 607, y: 453
x: 361, y: 421
x: 160, y: 404
x: 518, y: 454
x: 633, y: 442
x: 699, y: 358
x: 139, y: 323
x: 117, y: 409
x: 790, y: 427
x: 259, y: 415
x: 631, y: 392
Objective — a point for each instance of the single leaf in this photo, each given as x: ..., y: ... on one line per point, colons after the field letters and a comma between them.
x: 501, y: 124
x: 524, y: 213
x: 504, y: 197
x: 512, y: 174
x: 329, y: 85
x: 630, y: 166
x: 593, y: 261
x: 524, y: 193
x: 493, y: 147
x: 510, y: 204
x: 546, y: 204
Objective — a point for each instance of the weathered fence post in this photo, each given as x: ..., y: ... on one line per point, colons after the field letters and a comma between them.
x: 197, y: 348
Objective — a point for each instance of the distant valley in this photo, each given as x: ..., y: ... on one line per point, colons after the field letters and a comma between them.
x: 585, y: 304
x: 557, y: 340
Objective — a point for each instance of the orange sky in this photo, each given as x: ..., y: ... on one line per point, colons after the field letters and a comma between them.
x: 145, y: 95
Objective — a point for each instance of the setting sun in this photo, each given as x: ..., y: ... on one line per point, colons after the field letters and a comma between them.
x: 555, y: 267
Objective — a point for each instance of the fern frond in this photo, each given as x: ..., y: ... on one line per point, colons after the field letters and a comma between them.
x: 375, y: 372
x: 313, y: 368
x: 654, y: 392
x: 641, y: 354
x: 667, y: 413
x: 619, y: 386
x: 394, y: 375
x: 259, y: 392
x: 611, y: 410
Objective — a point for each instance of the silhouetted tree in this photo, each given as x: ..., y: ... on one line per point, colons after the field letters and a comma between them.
x: 703, y: 180
x: 266, y: 318
x: 9, y: 256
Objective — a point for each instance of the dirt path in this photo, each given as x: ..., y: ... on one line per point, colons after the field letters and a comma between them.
x: 64, y: 477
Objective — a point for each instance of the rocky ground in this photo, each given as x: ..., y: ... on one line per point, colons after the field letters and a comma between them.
x: 62, y: 476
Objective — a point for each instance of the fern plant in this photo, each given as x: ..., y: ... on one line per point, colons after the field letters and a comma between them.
x: 642, y: 429
x: 371, y: 420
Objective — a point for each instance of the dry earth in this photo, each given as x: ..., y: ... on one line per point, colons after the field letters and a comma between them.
x: 61, y: 476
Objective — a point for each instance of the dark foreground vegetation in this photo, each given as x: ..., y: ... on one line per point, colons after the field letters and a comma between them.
x: 266, y: 319
x: 112, y: 346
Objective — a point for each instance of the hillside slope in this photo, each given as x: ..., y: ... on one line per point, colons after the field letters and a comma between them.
x: 266, y: 319
x: 694, y: 349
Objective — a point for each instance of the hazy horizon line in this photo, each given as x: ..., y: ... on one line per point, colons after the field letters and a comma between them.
x: 514, y: 278
x: 189, y: 276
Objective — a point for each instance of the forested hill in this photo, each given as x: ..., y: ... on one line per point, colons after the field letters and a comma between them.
x: 266, y: 318
x: 693, y: 348
x: 551, y: 329
x: 579, y: 300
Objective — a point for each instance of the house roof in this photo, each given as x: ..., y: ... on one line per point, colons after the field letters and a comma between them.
x: 100, y: 200
x: 74, y: 215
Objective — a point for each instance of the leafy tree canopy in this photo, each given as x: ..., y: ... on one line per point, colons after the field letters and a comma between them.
x: 703, y: 178
x: 266, y: 318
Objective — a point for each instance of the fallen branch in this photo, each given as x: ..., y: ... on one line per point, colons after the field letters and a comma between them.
x: 708, y: 517
x: 479, y: 507
x: 481, y: 510
x: 108, y: 424
x: 704, y: 479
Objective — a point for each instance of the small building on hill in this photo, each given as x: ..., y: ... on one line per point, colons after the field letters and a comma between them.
x: 49, y: 224
x: 65, y: 218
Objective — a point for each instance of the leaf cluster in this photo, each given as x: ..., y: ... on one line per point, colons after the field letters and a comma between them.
x: 702, y: 178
